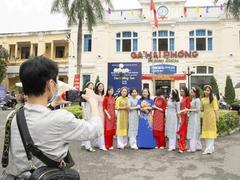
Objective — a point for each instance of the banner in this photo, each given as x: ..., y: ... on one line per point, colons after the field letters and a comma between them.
x: 76, y: 82
x: 163, y: 69
x: 125, y: 74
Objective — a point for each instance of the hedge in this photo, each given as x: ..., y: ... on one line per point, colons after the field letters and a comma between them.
x: 76, y: 110
x: 228, y: 121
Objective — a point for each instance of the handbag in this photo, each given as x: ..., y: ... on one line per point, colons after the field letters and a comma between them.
x: 54, y: 169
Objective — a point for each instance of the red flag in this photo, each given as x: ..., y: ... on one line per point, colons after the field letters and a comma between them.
x: 185, y: 11
x: 76, y: 82
x: 153, y: 8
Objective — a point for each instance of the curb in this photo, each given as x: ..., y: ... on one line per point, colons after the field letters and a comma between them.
x: 231, y: 132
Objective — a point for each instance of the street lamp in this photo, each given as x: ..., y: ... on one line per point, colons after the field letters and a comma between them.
x: 121, y: 70
x: 188, y: 73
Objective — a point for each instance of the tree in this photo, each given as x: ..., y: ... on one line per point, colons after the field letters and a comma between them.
x: 233, y: 7
x: 213, y: 83
x: 97, y: 80
x: 229, y: 91
x: 78, y: 12
x: 3, y: 63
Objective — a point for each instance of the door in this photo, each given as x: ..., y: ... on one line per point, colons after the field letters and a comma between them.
x: 165, y: 86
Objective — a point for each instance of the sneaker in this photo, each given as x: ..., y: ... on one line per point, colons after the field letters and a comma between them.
x: 111, y: 148
x: 161, y: 148
x: 103, y: 149
x: 180, y: 151
x: 171, y: 149
x: 134, y: 148
x: 91, y: 150
x: 206, y: 153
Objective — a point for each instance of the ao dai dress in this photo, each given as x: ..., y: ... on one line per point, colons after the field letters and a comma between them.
x: 194, y: 125
x: 159, y: 121
x: 171, y: 125
x: 122, y: 121
x: 145, y: 137
x: 184, y: 104
x: 133, y: 121
x: 109, y: 124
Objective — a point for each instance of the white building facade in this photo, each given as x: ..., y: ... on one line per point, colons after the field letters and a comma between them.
x: 200, y: 40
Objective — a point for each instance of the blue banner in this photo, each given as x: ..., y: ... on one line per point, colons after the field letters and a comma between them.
x: 163, y: 69
x: 2, y: 93
x: 125, y: 74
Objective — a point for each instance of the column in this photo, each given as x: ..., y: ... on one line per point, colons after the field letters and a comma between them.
x: 52, y: 56
x: 16, y: 51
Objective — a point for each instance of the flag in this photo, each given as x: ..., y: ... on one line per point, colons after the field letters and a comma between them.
x: 185, y: 11
x: 153, y: 8
x: 132, y: 13
x: 221, y: 7
x: 197, y: 10
x: 109, y: 11
x: 207, y: 8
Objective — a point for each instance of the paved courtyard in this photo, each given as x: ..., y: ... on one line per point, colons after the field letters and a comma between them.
x: 127, y: 164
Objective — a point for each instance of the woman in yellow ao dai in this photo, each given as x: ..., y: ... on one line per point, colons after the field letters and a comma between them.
x: 210, y: 118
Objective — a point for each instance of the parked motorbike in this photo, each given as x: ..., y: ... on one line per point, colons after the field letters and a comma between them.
x: 9, y: 104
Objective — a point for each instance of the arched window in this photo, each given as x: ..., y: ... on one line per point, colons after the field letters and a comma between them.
x: 202, y: 76
x: 163, y: 41
x: 126, y: 41
x: 200, y: 40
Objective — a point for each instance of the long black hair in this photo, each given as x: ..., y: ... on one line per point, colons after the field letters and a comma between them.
x: 96, y: 89
x: 211, y: 93
x: 186, y: 91
x: 131, y: 91
x: 148, y: 93
x: 108, y: 89
x: 196, y: 91
x: 175, y: 95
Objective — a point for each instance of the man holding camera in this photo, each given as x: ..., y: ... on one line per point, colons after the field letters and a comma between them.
x: 51, y: 130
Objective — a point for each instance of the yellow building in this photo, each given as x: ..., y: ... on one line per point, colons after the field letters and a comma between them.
x: 21, y: 46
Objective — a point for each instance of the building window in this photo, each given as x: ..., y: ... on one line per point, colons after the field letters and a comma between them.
x: 163, y: 41
x: 25, y: 52
x: 86, y: 78
x: 60, y: 52
x: 200, y: 40
x: 87, y: 43
x: 202, y: 76
x: 126, y: 41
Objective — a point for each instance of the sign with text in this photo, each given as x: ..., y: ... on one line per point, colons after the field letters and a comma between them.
x: 163, y: 69
x: 127, y: 74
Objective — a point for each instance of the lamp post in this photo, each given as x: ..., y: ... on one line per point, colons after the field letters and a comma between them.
x: 188, y: 73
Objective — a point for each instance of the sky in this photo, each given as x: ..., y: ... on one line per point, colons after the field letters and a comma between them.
x: 34, y: 15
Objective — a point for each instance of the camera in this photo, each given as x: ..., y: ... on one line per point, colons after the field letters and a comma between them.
x: 75, y: 96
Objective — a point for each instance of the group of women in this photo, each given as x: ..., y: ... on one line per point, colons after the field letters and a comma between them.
x: 145, y: 123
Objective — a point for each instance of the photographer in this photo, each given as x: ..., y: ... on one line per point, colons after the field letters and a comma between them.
x: 51, y: 131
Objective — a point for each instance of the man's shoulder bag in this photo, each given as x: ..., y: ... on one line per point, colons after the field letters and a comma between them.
x: 53, y: 170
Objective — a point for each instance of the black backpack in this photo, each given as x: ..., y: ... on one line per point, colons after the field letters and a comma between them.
x: 53, y: 171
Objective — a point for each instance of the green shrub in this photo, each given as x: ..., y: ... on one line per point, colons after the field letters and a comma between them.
x: 229, y: 91
x: 228, y: 120
x: 213, y: 83
x: 76, y: 110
